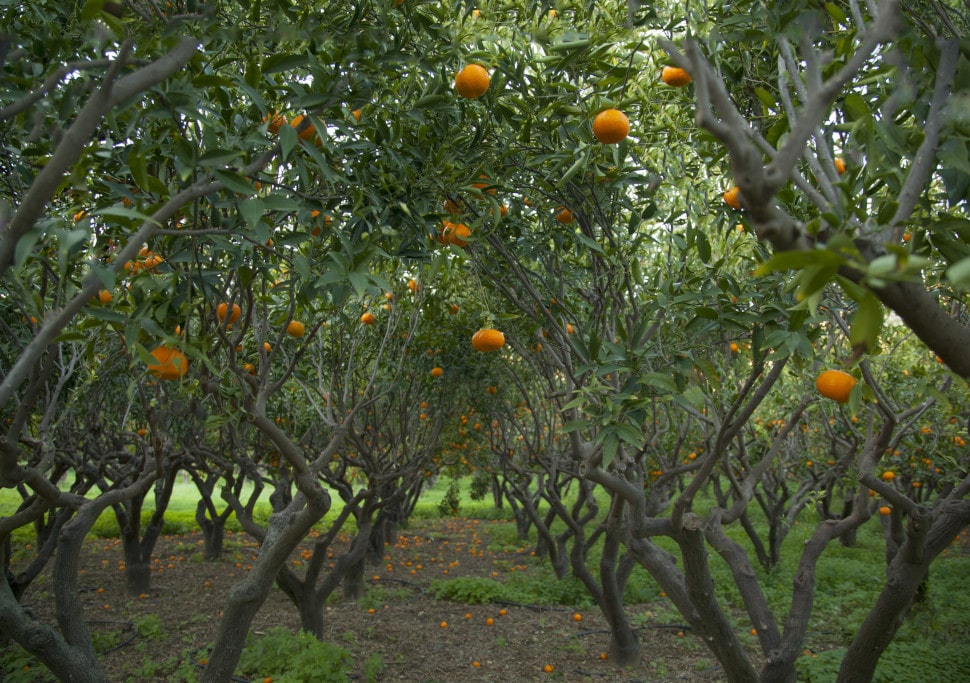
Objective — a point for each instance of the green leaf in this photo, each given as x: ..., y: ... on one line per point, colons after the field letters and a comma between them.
x: 659, y: 381
x: 855, y: 107
x: 958, y: 273
x: 835, y: 12
x: 793, y: 260
x: 218, y: 157
x: 252, y: 211
x: 575, y: 425
x: 629, y: 434
x: 137, y: 166
x: 765, y: 97
x: 235, y: 182
x: 123, y: 212
x: 152, y: 327
x: 866, y: 324
x: 25, y: 245
x: 360, y: 282
x: 610, y: 446
x: 882, y: 265
x: 278, y: 63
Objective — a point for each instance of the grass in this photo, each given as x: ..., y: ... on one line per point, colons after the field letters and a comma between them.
x: 180, y: 513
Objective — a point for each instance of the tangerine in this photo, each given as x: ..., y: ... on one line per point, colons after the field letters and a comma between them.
x: 472, y: 81
x: 565, y: 216
x: 731, y: 197
x: 222, y: 310
x: 169, y: 363
x: 488, y: 339
x: 611, y: 126
x: 675, y: 77
x: 835, y: 384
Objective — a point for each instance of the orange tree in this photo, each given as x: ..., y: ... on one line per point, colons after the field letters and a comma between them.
x: 530, y: 449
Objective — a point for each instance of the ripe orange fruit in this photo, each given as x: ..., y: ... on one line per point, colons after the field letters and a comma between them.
x: 734, y: 347
x: 356, y: 114
x: 472, y: 81
x: 548, y: 668
x: 565, y: 216
x: 483, y: 186
x: 169, y: 363
x: 731, y: 197
x: 840, y: 165
x: 268, y: 347
x: 885, y: 510
x: 569, y: 328
x: 489, y: 621
x: 105, y: 297
x: 295, y: 328
x: 457, y: 235
x: 437, y: 372
x: 223, y: 309
x: 367, y: 318
x: 888, y: 475
x: 276, y: 122
x: 675, y: 77
x: 577, y: 617
x: 611, y: 126
x: 413, y: 285
x: 488, y: 339
x: 308, y: 133
x: 835, y: 384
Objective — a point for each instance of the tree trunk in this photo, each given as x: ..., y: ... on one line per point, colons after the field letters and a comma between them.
x: 624, y: 647
x: 497, y: 494
x: 522, y: 524
x: 354, y: 581
x: 287, y: 529
x: 138, y: 576
x: 713, y: 625
x: 905, y: 575
x: 848, y: 539
x: 213, y: 537
x: 76, y: 661
x: 213, y: 526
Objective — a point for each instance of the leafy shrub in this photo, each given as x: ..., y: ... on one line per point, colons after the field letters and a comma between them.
x: 451, y: 502
x: 19, y: 666
x: 470, y: 590
x: 150, y: 627
x: 287, y: 657
x: 480, y: 486
x: 542, y: 587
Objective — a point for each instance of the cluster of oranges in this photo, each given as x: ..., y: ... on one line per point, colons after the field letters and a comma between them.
x: 150, y: 261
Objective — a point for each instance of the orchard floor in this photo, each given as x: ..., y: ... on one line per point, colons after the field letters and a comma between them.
x: 405, y: 626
